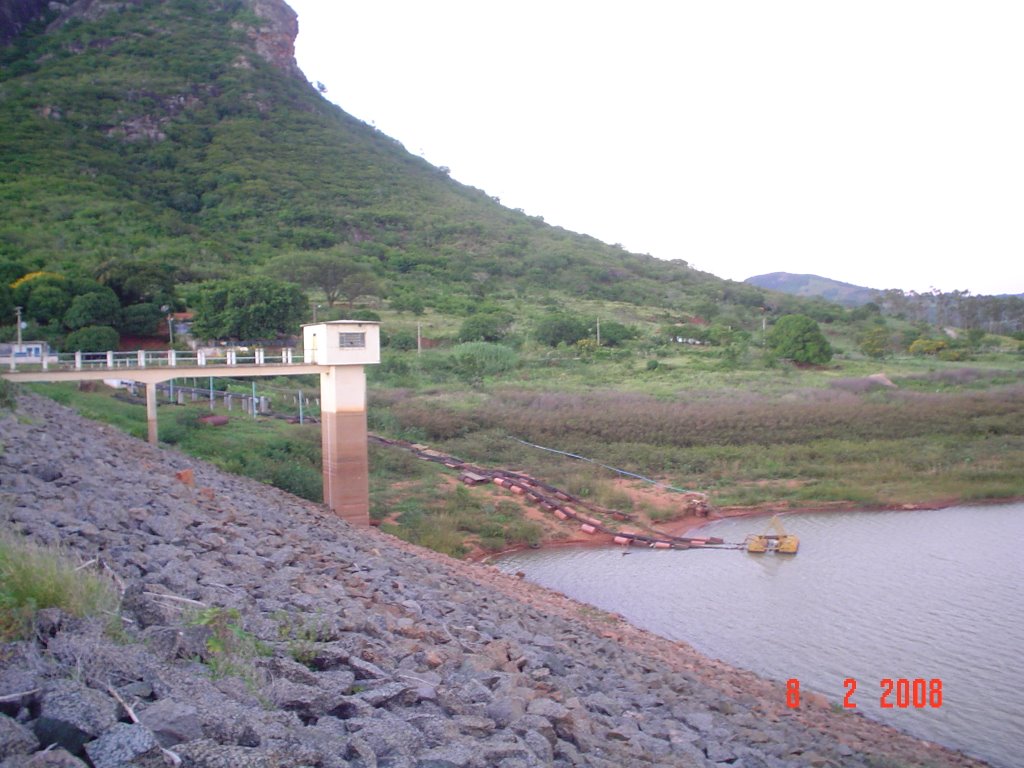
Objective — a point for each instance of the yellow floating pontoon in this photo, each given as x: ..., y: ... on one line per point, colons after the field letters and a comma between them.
x: 781, y: 542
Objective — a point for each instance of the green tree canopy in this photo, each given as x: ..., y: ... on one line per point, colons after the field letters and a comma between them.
x: 47, y: 303
x: 6, y: 305
x: 98, y: 308
x: 335, y: 271
x: 798, y: 338
x: 141, y: 319
x: 137, y: 282
x: 92, y: 338
x: 486, y: 326
x: 247, y: 308
x: 876, y: 342
x: 614, y: 333
x: 561, y: 328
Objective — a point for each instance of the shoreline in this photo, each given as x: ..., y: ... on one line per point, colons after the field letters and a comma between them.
x: 689, y: 524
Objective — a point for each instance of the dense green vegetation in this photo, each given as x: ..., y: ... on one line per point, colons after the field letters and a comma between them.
x: 156, y: 140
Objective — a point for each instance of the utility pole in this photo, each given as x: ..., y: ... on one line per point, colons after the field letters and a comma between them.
x: 170, y: 324
x: 17, y: 350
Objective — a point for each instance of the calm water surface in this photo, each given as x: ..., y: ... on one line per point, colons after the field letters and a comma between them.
x: 871, y: 595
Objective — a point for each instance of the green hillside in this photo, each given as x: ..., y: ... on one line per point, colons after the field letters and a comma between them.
x: 158, y: 134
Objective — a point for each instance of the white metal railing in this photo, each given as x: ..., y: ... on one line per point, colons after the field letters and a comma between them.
x: 120, y: 361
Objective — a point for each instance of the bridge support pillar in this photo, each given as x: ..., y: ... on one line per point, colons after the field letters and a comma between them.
x: 343, y: 438
x: 151, y: 412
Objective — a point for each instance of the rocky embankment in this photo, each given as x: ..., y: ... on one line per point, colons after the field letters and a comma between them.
x: 261, y: 631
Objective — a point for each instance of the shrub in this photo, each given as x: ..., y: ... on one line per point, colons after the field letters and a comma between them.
x: 927, y: 347
x: 8, y: 395
x: 560, y: 329
x: 98, y: 308
x: 402, y: 341
x: 476, y: 359
x: 614, y: 333
x: 230, y: 649
x: 489, y: 326
x: 92, y: 338
x: 798, y: 338
x: 141, y: 320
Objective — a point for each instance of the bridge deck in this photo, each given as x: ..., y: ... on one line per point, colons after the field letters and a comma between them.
x: 156, y: 366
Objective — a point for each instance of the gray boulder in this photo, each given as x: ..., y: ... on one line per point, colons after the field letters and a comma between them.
x: 72, y: 714
x: 122, y: 746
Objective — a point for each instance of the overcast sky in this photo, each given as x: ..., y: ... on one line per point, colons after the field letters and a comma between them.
x: 879, y: 142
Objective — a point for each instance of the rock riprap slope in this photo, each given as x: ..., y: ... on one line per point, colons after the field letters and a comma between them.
x: 259, y: 630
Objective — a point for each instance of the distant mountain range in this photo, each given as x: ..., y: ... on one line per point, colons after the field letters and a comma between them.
x: 809, y: 286
x: 1002, y: 314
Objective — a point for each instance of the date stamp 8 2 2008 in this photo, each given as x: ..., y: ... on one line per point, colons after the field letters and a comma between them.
x: 894, y: 693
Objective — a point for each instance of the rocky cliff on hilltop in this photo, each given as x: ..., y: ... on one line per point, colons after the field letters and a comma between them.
x: 15, y: 15
x: 273, y: 38
x: 260, y: 631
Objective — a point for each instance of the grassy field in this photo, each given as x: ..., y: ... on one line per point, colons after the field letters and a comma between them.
x: 773, y: 436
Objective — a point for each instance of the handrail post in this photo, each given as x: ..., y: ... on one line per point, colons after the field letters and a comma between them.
x: 200, y: 357
x: 172, y: 358
x: 110, y: 358
x: 78, y: 360
x: 142, y: 358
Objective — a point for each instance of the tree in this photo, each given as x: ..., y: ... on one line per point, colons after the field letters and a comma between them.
x: 875, y: 343
x: 47, y: 303
x: 92, y: 338
x: 138, y: 282
x: 798, y: 338
x: 487, y: 326
x: 614, y: 333
x: 98, y: 308
x: 403, y: 341
x: 6, y: 305
x: 560, y: 328
x: 141, y: 319
x: 407, y: 301
x: 246, y: 308
x: 335, y: 271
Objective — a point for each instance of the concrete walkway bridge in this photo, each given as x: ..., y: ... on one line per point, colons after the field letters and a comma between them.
x: 335, y: 350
